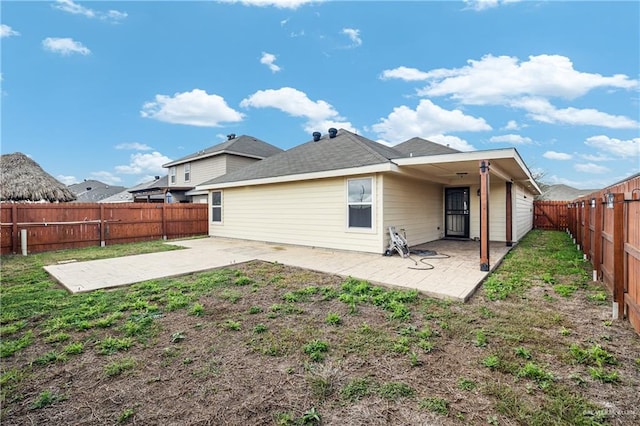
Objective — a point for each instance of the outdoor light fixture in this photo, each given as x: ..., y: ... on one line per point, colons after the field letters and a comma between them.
x: 609, y: 200
x: 593, y: 203
x: 461, y: 174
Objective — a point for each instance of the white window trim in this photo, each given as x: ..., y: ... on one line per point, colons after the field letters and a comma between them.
x: 172, y: 175
x: 371, y: 230
x: 221, y: 208
x: 187, y: 169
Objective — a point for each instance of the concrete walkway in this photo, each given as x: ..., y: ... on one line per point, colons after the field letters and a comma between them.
x: 454, y: 277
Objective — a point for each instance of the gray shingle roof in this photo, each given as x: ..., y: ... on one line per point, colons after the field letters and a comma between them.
x: 246, y: 146
x: 346, y: 150
x: 92, y: 191
x: 417, y: 147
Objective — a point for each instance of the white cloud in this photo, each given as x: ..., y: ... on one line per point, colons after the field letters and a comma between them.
x: 405, y: 73
x: 480, y: 5
x: 319, y: 114
x: 136, y: 146
x: 70, y: 7
x: 553, y: 155
x: 528, y: 85
x: 195, y: 108
x: 541, y: 110
x: 64, y: 46
x: 594, y: 157
x: 145, y: 163
x: 7, y: 31
x: 512, y: 125
x: 67, y: 180
x: 281, y: 4
x: 495, y: 80
x: 73, y: 8
x: 426, y: 121
x: 511, y: 139
x: 106, y: 177
x: 354, y: 36
x: 269, y: 60
x: 619, y: 148
x: 452, y: 142
x: 591, y: 168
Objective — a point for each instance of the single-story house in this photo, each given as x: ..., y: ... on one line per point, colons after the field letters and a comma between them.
x: 343, y: 191
x: 186, y: 173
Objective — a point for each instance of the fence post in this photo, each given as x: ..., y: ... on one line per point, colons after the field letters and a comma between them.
x: 597, y: 240
x: 103, y: 242
x: 164, y: 223
x: 14, y: 228
x: 586, y: 240
x: 618, y: 256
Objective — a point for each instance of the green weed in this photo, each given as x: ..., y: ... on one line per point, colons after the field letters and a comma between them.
x: 116, y: 368
x: 110, y: 345
x: 197, y: 309
x: 333, y: 318
x: 316, y: 349
x: 466, y: 384
x: 435, y: 405
x: 46, y: 398
x: 395, y: 391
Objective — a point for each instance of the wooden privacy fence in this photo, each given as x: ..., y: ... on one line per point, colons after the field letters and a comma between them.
x: 550, y: 215
x: 73, y: 225
x: 606, y: 227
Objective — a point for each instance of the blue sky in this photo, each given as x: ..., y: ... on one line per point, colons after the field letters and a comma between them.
x: 113, y: 90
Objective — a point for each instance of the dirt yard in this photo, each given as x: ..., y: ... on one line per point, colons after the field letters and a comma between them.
x: 267, y: 344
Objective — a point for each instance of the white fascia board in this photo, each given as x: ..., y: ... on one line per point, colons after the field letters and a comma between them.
x: 376, y: 168
x: 458, y: 156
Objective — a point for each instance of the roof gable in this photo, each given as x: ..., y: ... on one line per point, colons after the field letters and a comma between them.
x: 418, y: 147
x: 244, y: 146
x: 346, y: 150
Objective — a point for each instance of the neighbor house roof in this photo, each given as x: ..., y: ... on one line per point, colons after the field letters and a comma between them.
x: 562, y: 192
x: 244, y: 146
x: 22, y: 179
x: 346, y: 150
x: 92, y: 191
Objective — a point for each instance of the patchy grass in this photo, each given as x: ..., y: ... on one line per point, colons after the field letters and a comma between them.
x: 269, y: 344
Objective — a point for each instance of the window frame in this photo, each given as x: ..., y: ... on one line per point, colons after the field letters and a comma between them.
x: 187, y: 172
x: 371, y: 204
x: 172, y: 175
x: 218, y: 206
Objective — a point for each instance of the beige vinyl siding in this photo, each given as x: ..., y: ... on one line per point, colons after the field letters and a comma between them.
x: 497, y: 211
x: 235, y: 162
x: 415, y: 206
x: 203, y: 170
x: 523, y: 210
x: 308, y: 213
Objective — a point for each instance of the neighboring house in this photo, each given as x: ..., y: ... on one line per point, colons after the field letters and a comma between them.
x: 562, y: 192
x: 235, y: 153
x: 344, y: 191
x: 155, y: 191
x: 92, y: 191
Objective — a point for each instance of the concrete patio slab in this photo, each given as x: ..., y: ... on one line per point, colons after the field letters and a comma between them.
x: 456, y: 275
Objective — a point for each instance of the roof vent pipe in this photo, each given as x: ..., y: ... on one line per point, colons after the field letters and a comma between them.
x: 316, y: 136
x: 333, y: 132
x: 231, y: 136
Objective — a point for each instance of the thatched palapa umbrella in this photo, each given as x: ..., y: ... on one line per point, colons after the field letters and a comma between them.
x: 22, y: 179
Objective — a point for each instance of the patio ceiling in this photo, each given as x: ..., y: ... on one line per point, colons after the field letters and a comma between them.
x: 463, y: 167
